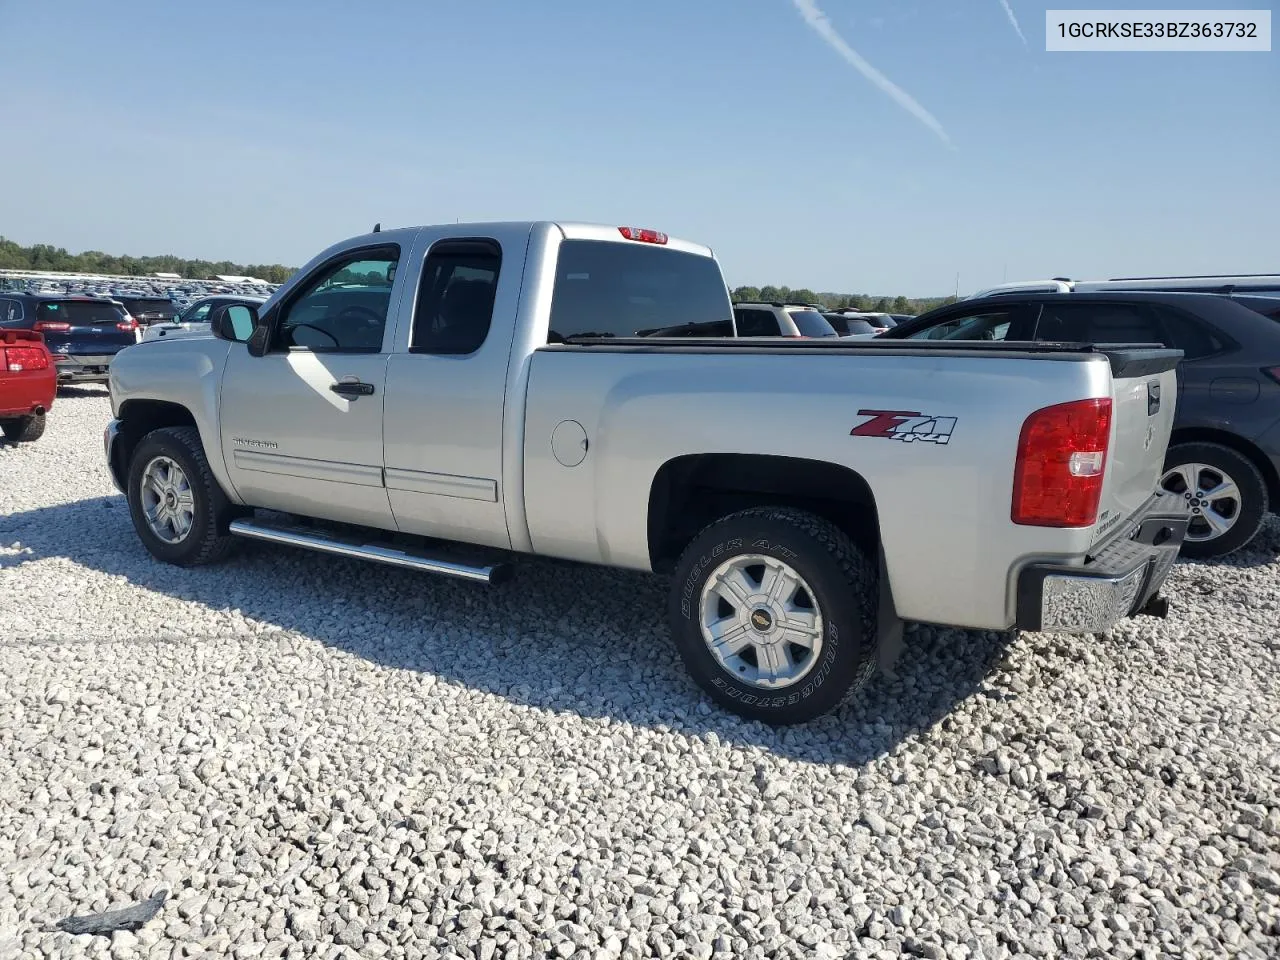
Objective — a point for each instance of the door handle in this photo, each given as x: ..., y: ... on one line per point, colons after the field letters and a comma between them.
x: 352, y: 388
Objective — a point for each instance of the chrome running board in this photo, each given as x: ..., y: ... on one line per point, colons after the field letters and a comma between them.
x: 376, y: 552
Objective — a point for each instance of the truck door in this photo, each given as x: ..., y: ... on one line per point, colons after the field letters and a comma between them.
x: 301, y: 426
x: 446, y: 388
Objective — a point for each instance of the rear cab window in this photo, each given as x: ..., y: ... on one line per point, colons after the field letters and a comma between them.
x: 616, y: 289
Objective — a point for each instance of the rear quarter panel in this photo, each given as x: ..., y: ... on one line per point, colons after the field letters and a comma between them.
x: 944, y: 509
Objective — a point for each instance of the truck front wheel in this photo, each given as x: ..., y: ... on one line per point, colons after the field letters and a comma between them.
x: 773, y: 611
x: 178, y: 509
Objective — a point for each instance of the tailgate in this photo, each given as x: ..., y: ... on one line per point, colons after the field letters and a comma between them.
x: 1144, y: 390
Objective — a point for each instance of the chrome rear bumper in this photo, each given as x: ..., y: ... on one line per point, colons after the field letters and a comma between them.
x: 1121, y: 579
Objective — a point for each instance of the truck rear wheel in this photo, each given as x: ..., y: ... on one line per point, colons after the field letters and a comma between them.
x: 178, y: 509
x: 23, y: 429
x: 773, y: 611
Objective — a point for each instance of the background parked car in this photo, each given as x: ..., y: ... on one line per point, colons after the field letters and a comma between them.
x: 194, y: 319
x: 780, y: 320
x: 82, y: 333
x: 851, y: 325
x: 1224, y: 455
x: 28, y: 384
x: 149, y: 310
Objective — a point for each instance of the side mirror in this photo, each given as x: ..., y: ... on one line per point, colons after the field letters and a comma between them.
x: 234, y: 322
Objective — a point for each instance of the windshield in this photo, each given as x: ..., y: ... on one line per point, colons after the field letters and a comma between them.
x: 79, y: 312
x: 810, y: 323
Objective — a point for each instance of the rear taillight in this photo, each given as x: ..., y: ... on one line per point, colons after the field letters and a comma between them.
x: 17, y: 359
x: 51, y: 326
x: 1062, y: 456
x: 128, y: 326
x: 1273, y: 373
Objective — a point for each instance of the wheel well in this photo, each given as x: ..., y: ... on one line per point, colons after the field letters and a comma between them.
x: 1238, y: 444
x: 691, y: 492
x: 137, y: 419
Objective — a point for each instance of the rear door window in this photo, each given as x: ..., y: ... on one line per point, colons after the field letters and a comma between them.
x: 455, y: 297
x: 10, y: 312
x: 979, y: 324
x: 607, y: 289
x: 1192, y: 336
x: 1085, y: 322
x: 756, y: 323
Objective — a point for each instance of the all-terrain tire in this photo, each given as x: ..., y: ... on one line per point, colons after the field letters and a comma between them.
x: 207, y: 541
x: 843, y: 586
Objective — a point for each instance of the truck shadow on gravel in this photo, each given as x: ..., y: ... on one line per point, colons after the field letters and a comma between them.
x: 559, y: 637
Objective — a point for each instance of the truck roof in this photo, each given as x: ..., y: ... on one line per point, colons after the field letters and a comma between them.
x: 569, y: 229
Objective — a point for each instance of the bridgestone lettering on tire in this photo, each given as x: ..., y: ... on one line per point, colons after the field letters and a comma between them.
x: 831, y: 614
x: 207, y: 541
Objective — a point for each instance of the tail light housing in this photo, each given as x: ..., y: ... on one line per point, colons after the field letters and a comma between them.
x: 643, y: 235
x: 1061, y: 464
x: 18, y: 359
x: 1273, y: 373
x: 51, y: 326
x: 128, y: 324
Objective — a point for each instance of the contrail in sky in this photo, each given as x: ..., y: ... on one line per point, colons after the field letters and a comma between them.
x: 1014, y: 20
x: 823, y: 27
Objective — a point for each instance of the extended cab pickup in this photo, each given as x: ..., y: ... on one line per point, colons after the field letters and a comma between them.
x: 446, y: 398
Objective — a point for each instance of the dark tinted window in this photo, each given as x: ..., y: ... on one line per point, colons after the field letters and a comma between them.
x: 455, y: 297
x: 1098, y: 323
x: 606, y: 289
x: 10, y: 312
x: 716, y: 328
x: 848, y: 325
x: 79, y: 312
x: 811, y: 323
x: 1187, y: 334
x: 152, y: 310
x: 756, y: 323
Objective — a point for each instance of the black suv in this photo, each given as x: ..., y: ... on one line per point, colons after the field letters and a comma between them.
x: 1224, y: 455
x: 148, y: 310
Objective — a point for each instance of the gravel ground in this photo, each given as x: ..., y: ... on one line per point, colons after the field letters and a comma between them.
x: 321, y: 758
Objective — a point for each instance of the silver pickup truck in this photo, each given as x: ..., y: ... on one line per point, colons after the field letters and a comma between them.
x: 447, y: 398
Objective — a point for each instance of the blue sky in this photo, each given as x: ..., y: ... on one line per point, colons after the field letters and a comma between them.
x: 263, y: 130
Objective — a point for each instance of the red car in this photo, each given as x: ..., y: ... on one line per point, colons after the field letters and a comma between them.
x: 28, y: 384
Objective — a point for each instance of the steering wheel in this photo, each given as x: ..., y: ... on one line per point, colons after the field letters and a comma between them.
x: 312, y: 326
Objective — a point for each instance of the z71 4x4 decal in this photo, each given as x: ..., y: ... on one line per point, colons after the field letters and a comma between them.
x: 904, y: 425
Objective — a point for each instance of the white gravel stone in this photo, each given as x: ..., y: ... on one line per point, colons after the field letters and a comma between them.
x: 329, y: 759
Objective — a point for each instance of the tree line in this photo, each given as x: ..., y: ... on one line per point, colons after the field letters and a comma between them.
x: 45, y: 257
x: 839, y: 301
